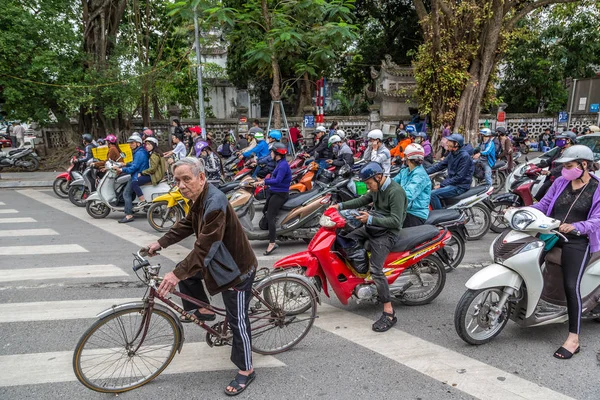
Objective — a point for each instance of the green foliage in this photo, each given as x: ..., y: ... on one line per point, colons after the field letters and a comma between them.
x: 350, y: 105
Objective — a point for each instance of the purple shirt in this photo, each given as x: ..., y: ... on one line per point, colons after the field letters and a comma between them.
x: 591, y: 226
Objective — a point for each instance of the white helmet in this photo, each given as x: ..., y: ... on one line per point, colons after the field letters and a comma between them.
x: 414, y: 151
x: 320, y: 129
x: 334, y: 139
x: 576, y: 152
x: 341, y: 134
x: 134, y: 138
x: 152, y: 139
x: 375, y: 134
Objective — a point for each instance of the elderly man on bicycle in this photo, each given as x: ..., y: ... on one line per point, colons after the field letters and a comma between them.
x: 222, y: 257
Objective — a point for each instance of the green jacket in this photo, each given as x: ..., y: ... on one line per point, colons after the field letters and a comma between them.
x: 391, y: 202
x: 156, y: 170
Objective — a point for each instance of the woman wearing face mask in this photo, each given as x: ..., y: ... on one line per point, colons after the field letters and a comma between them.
x: 574, y: 199
x: 341, y: 150
x: 421, y: 139
x: 565, y: 140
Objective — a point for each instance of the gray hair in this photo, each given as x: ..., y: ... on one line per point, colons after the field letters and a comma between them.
x: 196, y: 165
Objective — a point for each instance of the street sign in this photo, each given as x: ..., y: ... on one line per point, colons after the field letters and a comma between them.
x: 309, y: 121
x: 563, y: 117
x: 594, y: 108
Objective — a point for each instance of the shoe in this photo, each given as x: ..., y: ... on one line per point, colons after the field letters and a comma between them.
x: 266, y: 253
x: 142, y: 204
x: 564, y: 354
x: 126, y: 220
x: 199, y: 315
x: 385, y: 322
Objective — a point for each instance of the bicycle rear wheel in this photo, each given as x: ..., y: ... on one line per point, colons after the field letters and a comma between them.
x: 106, y: 360
x: 293, y: 310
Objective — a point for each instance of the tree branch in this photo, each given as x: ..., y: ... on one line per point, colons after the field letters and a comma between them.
x: 532, y: 6
x: 420, y: 9
x: 446, y: 9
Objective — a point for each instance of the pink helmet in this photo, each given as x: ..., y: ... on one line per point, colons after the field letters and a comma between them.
x: 111, y: 139
x: 148, y: 132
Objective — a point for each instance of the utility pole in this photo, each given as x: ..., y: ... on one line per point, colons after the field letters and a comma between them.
x: 199, y: 69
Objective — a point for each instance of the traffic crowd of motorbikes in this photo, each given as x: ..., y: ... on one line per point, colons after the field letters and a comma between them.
x: 384, y: 218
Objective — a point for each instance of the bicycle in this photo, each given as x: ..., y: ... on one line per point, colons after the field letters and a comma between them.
x: 131, y: 344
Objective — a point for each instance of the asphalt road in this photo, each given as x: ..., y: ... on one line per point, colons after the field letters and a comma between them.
x: 45, y: 308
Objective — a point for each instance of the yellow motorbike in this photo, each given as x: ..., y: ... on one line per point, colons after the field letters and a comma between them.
x: 167, y: 209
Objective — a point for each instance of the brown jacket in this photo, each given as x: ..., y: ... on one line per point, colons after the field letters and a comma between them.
x: 220, y: 240
x: 113, y: 154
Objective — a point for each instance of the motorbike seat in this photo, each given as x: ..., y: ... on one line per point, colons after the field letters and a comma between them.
x: 499, y: 164
x: 11, y: 152
x: 409, y: 238
x: 297, y: 200
x: 439, y: 216
x: 471, y: 192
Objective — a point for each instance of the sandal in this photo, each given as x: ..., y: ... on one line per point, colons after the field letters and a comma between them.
x: 385, y: 322
x: 238, y: 382
x: 199, y: 315
x: 564, y: 354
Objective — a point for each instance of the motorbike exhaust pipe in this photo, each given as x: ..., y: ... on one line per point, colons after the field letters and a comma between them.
x: 403, y: 289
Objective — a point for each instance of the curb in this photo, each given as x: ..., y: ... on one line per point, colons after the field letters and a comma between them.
x: 25, y: 184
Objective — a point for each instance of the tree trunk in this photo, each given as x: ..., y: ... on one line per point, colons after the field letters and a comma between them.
x: 156, y: 114
x: 305, y: 98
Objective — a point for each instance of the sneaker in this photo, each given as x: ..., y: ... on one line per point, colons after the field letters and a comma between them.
x: 126, y: 220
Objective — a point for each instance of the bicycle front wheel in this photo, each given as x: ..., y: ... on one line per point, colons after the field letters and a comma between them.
x: 107, y: 358
x: 283, y: 314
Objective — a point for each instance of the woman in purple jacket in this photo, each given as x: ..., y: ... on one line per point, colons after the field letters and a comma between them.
x: 574, y: 199
x: 278, y: 191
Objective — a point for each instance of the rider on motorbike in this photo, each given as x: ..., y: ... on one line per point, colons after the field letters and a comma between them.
x: 389, y: 202
x: 153, y: 174
x: 265, y: 165
x: 114, y: 153
x: 140, y: 163
x: 341, y: 151
x: 212, y: 164
x: 403, y: 141
x: 460, y: 171
x: 89, y: 145
x: 320, y: 149
x: 487, y: 154
x: 506, y: 147
x: 421, y: 139
x: 377, y: 152
x: 417, y: 185
x: 574, y: 199
x: 565, y: 140
x: 260, y: 150
x: 196, y: 136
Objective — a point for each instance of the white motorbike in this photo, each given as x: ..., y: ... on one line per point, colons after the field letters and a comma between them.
x: 109, y: 193
x: 524, y: 284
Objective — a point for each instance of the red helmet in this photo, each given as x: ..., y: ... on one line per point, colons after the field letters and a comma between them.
x: 148, y: 132
x: 196, y: 129
x: 279, y: 148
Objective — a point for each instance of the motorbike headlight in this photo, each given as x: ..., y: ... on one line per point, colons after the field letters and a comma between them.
x: 533, y: 245
x: 521, y: 220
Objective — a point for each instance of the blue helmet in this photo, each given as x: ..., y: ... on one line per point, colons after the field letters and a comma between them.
x: 458, y: 138
x: 275, y: 135
x: 410, y: 129
x: 421, y: 135
x: 370, y: 170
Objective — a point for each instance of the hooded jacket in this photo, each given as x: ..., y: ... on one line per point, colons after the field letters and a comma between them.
x: 417, y: 186
x: 460, y: 169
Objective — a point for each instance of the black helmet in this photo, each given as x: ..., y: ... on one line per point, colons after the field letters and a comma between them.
x: 87, y: 137
x: 401, y: 134
x: 501, y: 131
x: 370, y: 170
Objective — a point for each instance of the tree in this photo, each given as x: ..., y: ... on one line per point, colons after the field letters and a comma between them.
x: 456, y: 65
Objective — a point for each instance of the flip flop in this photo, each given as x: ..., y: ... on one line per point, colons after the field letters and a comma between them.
x: 238, y: 381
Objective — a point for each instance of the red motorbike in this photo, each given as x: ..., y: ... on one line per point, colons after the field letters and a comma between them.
x: 414, y: 269
x: 64, y: 179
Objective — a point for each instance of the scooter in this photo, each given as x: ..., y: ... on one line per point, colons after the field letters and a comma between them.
x: 63, y: 180
x: 84, y: 184
x: 414, y: 272
x: 167, y: 209
x: 109, y: 194
x: 23, y: 158
x: 524, y: 284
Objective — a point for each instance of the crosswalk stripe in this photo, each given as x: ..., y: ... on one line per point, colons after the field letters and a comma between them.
x: 41, y: 249
x: 57, y: 310
x: 2, y: 203
x: 28, y: 232
x: 9, y: 211
x: 58, y: 366
x: 72, y: 272
x: 444, y: 365
x: 16, y: 220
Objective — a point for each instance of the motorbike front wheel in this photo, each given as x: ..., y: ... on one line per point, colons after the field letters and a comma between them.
x: 61, y: 187
x: 162, y: 218
x: 498, y: 222
x: 78, y: 194
x: 479, y: 221
x: 475, y: 321
x: 97, y: 209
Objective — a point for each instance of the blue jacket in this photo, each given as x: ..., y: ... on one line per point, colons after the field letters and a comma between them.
x: 260, y: 150
x: 460, y: 169
x: 141, y: 161
x: 488, y: 152
x: 267, y: 162
x: 280, y: 178
x: 88, y: 153
x: 417, y: 185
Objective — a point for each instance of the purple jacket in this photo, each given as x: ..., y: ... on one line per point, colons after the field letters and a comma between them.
x: 591, y: 227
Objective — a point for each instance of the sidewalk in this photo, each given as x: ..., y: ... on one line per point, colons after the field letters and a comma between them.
x: 19, y: 180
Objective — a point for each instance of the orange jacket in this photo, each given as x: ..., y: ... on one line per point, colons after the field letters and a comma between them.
x: 399, y: 149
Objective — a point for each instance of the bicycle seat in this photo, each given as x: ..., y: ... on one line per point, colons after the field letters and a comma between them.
x: 298, y: 199
x: 439, y: 216
x: 499, y: 164
x: 471, y: 192
x: 411, y: 237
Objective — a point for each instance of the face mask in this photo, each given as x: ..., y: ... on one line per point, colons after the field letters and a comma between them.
x: 571, y: 174
x: 561, y: 142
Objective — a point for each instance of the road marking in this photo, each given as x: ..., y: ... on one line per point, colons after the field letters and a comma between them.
x: 83, y: 271
x: 37, y: 368
x: 35, y: 250
x: 16, y: 220
x: 28, y: 232
x: 2, y: 203
x: 9, y: 211
x: 461, y: 372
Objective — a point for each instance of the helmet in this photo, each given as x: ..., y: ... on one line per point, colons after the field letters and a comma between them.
x: 134, y: 138
x: 101, y: 141
x: 111, y: 139
x: 568, y: 135
x: 148, y: 132
x: 152, y: 140
x: 375, y: 134
x: 458, y: 138
x: 421, y: 135
x: 410, y: 129
x: 414, y: 151
x: 87, y: 137
x: 136, y: 134
x: 196, y: 129
x: 594, y: 128
x: 334, y: 139
x: 401, y: 134
x: 577, y: 152
x: 341, y: 134
x: 320, y: 129
x: 199, y: 146
x: 254, y: 130
x: 259, y: 136
x: 370, y: 170
x: 275, y: 135
x: 501, y: 130
x: 279, y: 148
x: 485, y: 132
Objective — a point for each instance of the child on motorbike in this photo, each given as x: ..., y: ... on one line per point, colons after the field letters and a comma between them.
x: 416, y: 184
